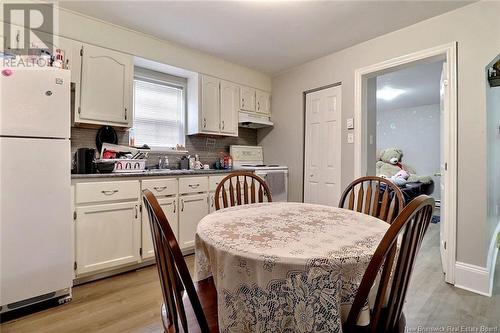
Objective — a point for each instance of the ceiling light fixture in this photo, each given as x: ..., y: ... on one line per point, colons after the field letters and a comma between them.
x: 388, y: 93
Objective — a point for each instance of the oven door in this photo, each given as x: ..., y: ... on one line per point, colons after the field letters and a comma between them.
x: 277, y: 181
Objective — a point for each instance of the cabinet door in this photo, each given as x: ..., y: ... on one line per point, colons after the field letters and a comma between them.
x: 229, y: 108
x: 107, y: 236
x: 263, y: 104
x: 106, y: 87
x: 210, y: 104
x: 192, y: 209
x: 247, y: 100
x: 169, y: 206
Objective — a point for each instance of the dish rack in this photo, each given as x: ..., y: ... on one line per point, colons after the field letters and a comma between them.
x: 128, y: 165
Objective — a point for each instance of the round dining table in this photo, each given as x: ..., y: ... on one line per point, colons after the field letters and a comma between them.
x: 291, y: 267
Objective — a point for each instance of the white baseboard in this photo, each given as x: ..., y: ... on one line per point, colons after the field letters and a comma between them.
x: 475, y: 278
x: 472, y: 278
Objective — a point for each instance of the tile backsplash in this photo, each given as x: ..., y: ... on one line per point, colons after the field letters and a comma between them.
x: 207, y: 147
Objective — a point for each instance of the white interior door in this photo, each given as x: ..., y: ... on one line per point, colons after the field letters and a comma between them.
x: 444, y: 108
x: 322, y: 147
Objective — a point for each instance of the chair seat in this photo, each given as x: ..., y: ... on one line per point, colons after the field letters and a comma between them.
x: 208, y: 298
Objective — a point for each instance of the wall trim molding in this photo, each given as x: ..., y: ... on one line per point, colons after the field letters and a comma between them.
x: 472, y: 278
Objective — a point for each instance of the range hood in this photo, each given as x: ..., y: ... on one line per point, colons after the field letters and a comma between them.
x: 253, y: 121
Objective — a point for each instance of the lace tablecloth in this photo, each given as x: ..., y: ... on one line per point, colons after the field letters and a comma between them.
x: 285, y: 267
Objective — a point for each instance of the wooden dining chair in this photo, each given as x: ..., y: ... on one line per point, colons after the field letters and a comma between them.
x: 239, y: 193
x: 375, y: 196
x: 394, y: 261
x: 193, y: 304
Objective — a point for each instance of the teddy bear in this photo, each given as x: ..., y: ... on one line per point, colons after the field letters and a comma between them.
x: 390, y: 163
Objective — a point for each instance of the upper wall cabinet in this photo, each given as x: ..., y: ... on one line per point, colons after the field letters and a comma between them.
x: 247, y: 100
x: 210, y: 104
x: 106, y: 87
x: 229, y: 105
x: 214, y: 109
x: 263, y: 102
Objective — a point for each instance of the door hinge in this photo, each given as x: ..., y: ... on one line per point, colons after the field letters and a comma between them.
x: 74, y: 215
x: 75, y: 266
x: 140, y: 251
x: 81, y: 52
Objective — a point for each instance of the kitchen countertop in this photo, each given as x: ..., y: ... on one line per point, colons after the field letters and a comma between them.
x: 155, y: 173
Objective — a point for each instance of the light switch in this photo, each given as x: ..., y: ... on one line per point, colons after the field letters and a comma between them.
x: 350, y: 137
x: 350, y: 123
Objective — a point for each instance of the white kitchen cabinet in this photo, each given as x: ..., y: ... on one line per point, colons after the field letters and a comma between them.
x: 247, y: 99
x: 73, y: 63
x: 215, y: 109
x: 106, y: 87
x: 170, y: 208
x: 210, y: 105
x: 229, y: 108
x: 263, y: 102
x: 107, y: 236
x: 192, y: 208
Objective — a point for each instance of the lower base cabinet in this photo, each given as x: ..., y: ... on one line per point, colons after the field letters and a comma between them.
x: 170, y: 207
x: 107, y: 236
x: 192, y: 208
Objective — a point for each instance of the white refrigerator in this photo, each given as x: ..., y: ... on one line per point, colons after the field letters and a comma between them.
x: 36, y: 247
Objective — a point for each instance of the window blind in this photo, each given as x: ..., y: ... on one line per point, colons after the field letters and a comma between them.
x: 158, y: 113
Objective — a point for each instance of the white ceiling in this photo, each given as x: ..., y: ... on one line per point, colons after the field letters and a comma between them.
x: 420, y: 83
x: 269, y: 36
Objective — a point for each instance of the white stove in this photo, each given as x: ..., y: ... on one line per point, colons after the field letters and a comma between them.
x: 252, y: 158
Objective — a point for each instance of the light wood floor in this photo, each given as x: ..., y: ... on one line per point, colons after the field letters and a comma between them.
x: 131, y: 302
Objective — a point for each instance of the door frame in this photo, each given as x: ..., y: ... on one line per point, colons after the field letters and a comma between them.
x: 361, y: 75
x: 304, y: 113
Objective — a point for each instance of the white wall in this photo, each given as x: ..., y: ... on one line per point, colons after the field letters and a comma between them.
x: 417, y: 132
x: 475, y: 27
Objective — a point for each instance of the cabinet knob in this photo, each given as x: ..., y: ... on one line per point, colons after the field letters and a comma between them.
x: 223, y: 125
x: 125, y: 113
x: 174, y: 206
x: 204, y: 122
x: 182, y: 205
x: 258, y: 106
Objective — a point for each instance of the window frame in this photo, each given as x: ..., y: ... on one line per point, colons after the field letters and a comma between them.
x: 168, y: 80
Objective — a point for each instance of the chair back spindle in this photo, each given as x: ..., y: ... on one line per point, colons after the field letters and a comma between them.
x: 374, y: 196
x: 242, y: 188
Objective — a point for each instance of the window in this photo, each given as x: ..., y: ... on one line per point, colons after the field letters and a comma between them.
x: 159, y: 109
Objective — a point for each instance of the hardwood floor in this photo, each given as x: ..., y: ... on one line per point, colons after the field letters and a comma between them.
x: 131, y: 302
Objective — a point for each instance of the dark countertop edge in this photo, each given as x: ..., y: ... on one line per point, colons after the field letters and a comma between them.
x: 155, y: 174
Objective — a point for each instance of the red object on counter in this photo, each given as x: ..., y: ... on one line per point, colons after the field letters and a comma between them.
x: 108, y: 154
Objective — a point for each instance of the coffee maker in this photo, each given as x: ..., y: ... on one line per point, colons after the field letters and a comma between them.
x: 84, y: 160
